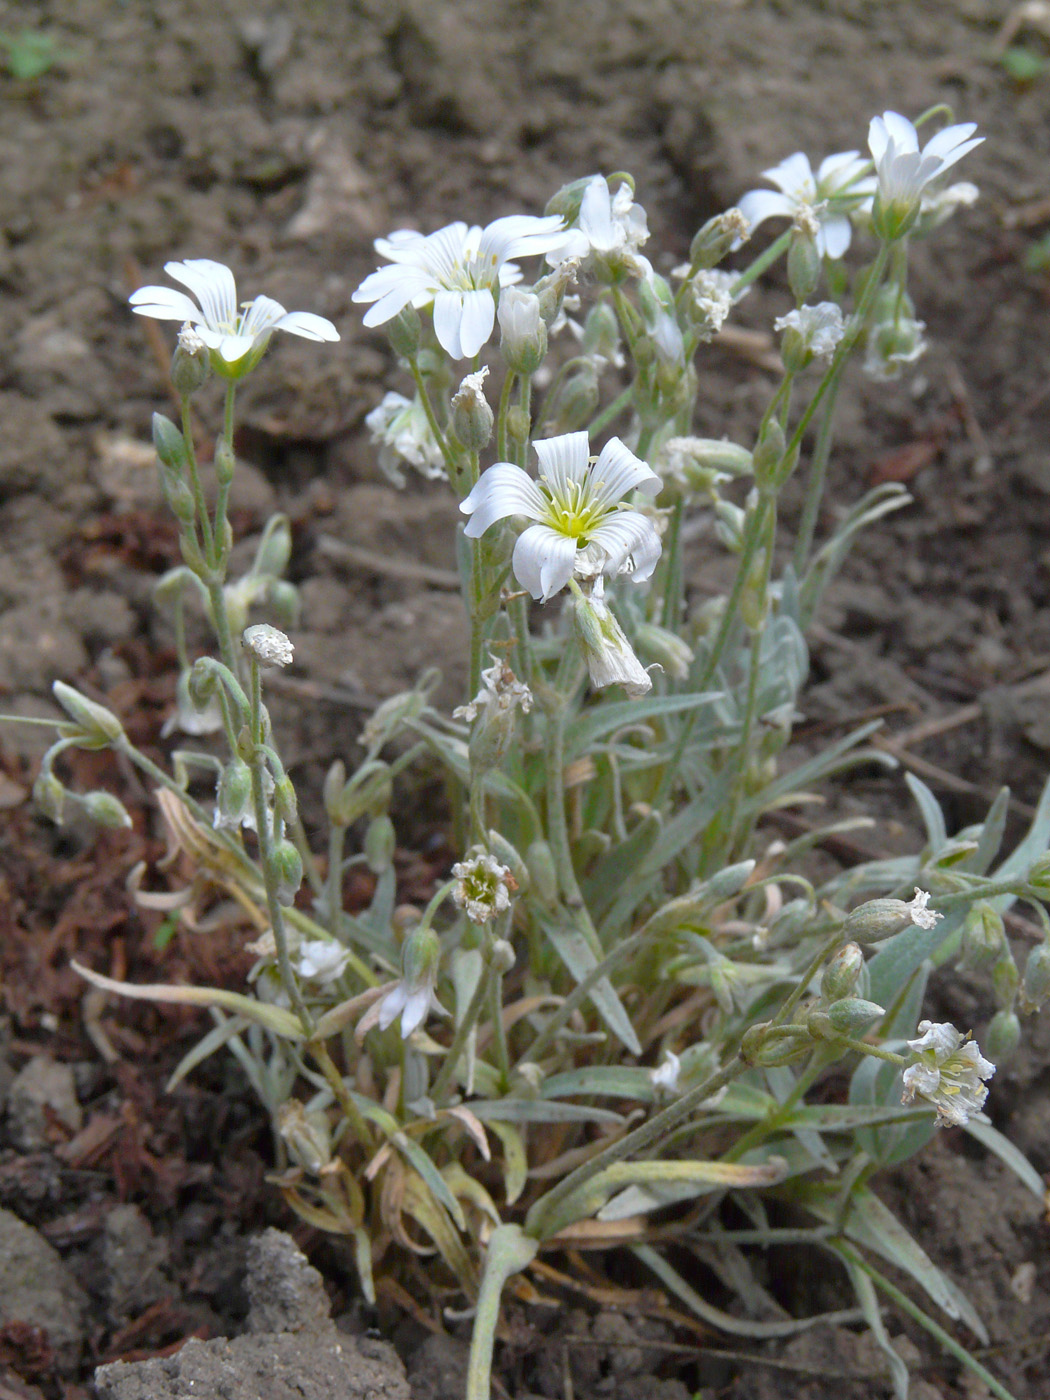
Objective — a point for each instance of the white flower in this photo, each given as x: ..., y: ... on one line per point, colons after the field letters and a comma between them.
x: 819, y: 327
x: 938, y: 205
x: 609, y: 230
x: 413, y: 1003
x: 237, y: 337
x: 500, y: 692
x: 460, y: 270
x: 269, y: 646
x: 947, y: 1071
x: 904, y: 172
x: 709, y: 298
x: 401, y: 428
x: 892, y: 345
x: 483, y: 886
x: 609, y: 655
x: 321, y: 960
x: 921, y: 916
x: 471, y: 391
x: 575, y: 505
x: 665, y: 1076
x: 826, y: 197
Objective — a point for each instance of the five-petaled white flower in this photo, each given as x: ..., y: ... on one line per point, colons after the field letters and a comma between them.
x: 483, y: 886
x: 322, y: 960
x: 402, y: 429
x: 460, y: 270
x: 500, y: 692
x: 947, y: 1073
x: 904, y: 171
x: 819, y: 328
x: 576, y: 506
x: 413, y: 996
x: 236, y: 335
x: 608, y: 232
x: 838, y: 186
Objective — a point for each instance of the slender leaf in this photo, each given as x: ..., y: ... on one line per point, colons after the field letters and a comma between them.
x: 578, y: 956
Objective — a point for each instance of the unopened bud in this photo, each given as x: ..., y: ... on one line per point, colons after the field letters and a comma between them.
x: 543, y: 875
x: 852, y: 1015
x: 169, y: 443
x: 368, y: 792
x: 981, y: 940
x: 190, y: 364
x: 380, y: 844
x: 399, y: 710
x: 601, y: 332
x: 1005, y: 981
x: 179, y: 498
x: 284, y: 603
x: 803, y: 266
x: 49, y: 795
x: 842, y: 973
x: 728, y: 882
x: 285, y: 802
x: 1002, y: 1037
x: 100, y: 726
x: 275, y: 547
x: 106, y: 810
x: 519, y: 424
x: 568, y: 199
x: 420, y: 956
x: 286, y: 867
x: 523, y: 331
x: 234, y: 795
x: 501, y: 956
x: 768, y: 453
x: 575, y: 405
x: 1035, y: 986
x: 665, y: 648
x: 404, y: 331
x: 770, y: 1046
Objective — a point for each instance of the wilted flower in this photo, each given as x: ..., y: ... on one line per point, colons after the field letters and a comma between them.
x: 609, y: 655
x: 947, y: 1072
x: 460, y: 270
x: 236, y: 337
x: 321, y: 960
x: 708, y: 299
x: 483, y: 886
x: 269, y: 646
x: 608, y: 232
x: 904, y: 172
x: 894, y: 338
x: 818, y: 330
x: 824, y: 199
x: 876, y: 919
x: 576, y: 505
x: 665, y: 1076
x: 401, y: 428
x: 938, y: 205
x: 500, y: 690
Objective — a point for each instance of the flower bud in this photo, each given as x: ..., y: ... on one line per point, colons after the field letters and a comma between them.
x: 100, y: 726
x: 234, y: 795
x: 852, y: 1015
x: 568, y: 199
x: 523, y: 332
x: 1005, y: 981
x: 577, y: 401
x: 842, y: 973
x: 518, y: 424
x: 728, y: 882
x: 472, y: 416
x: 399, y: 710
x: 284, y: 602
x: 201, y: 683
x: 305, y: 1135
x: 754, y: 597
x: 285, y: 802
x: 286, y: 867
x: 803, y: 265
x: 332, y: 788
x: 501, y: 956
x: 665, y: 648
x: 179, y: 498
x: 1002, y: 1038
x: 368, y: 791
x: 421, y: 956
x: 543, y: 876
x: 49, y: 795
x: 404, y: 331
x: 770, y: 1046
x: 601, y: 332
x: 1035, y: 987
x: 274, y: 548
x: 380, y: 844
x: 106, y: 810
x: 768, y: 453
x: 717, y: 238
x: 169, y: 443
x: 981, y: 940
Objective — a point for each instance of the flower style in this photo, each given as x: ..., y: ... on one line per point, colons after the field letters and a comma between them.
x: 827, y: 197
x: 483, y: 886
x: 401, y: 428
x: 322, y: 960
x: 500, y: 692
x: 818, y: 328
x: 608, y: 232
x: 947, y: 1073
x: 236, y: 337
x: 460, y: 270
x: 575, y: 506
x: 904, y: 172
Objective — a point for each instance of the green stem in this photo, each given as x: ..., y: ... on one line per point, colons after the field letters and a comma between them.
x: 673, y: 584
x: 612, y: 411
x: 217, y: 556
x: 764, y: 260
x: 818, y: 468
x: 501, y: 417
x: 195, y: 478
x: 446, y: 1074
x: 451, y: 464
x: 508, y: 1252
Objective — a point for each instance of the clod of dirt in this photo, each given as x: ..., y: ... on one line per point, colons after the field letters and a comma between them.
x: 134, y: 1261
x: 438, y: 1370
x: 287, y: 1294
x: 293, y: 1351
x: 38, y: 1291
x: 42, y: 1101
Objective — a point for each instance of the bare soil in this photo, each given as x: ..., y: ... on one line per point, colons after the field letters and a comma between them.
x: 281, y: 141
